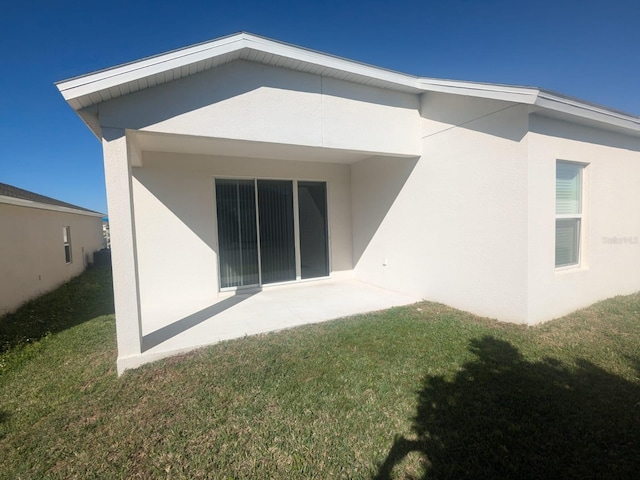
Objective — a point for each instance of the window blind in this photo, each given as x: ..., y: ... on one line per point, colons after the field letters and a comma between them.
x: 277, y: 243
x: 568, y: 191
x: 567, y: 244
x: 237, y: 240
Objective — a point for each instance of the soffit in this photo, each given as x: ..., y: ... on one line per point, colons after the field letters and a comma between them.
x: 224, y: 147
x: 83, y: 92
x: 87, y: 90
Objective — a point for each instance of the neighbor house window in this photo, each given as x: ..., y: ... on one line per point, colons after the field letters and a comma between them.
x: 66, y: 237
x: 568, y: 212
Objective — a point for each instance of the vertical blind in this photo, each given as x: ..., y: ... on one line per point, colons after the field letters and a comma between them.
x: 237, y: 239
x: 257, y: 245
x: 277, y: 240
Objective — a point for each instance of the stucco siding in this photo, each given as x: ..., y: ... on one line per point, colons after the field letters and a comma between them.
x: 245, y: 101
x: 456, y: 230
x: 368, y: 119
x: 175, y: 218
x: 449, y: 197
x: 610, y: 243
x: 32, y: 255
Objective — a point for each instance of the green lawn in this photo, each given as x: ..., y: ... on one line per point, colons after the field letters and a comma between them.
x: 423, y: 391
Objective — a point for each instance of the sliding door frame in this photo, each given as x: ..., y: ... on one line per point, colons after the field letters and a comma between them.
x: 296, y: 230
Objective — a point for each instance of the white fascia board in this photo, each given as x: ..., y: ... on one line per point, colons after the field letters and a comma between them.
x: 76, y: 91
x: 320, y: 59
x: 113, y: 77
x: 536, y: 97
x: 20, y: 202
x: 508, y: 93
x: 577, y: 108
x: 94, y: 82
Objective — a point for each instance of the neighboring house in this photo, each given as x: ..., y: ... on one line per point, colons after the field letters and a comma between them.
x: 245, y: 161
x: 43, y: 243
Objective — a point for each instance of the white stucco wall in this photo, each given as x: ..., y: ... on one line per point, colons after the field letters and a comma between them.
x: 440, y: 196
x: 610, y: 253
x: 179, y: 136
x: 175, y: 218
x: 32, y: 256
x: 247, y: 101
x: 453, y: 225
x: 472, y: 222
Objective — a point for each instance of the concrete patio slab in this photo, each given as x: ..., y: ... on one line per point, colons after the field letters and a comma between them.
x: 174, y: 328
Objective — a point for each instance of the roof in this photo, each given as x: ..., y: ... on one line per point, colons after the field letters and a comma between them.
x: 18, y: 196
x: 88, y: 90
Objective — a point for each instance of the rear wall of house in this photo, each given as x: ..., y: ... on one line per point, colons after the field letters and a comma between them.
x: 450, y: 226
x: 175, y: 219
x: 32, y: 254
x: 259, y: 103
x: 610, y: 240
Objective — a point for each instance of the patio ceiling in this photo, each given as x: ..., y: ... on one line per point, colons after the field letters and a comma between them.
x: 223, y: 147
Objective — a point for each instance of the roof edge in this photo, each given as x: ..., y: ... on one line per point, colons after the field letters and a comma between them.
x: 577, y: 107
x: 94, y: 82
x: 150, y: 57
x: 496, y: 91
x: 19, y: 202
x: 83, y: 91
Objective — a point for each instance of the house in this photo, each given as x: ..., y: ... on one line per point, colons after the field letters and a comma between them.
x: 259, y: 163
x: 43, y: 243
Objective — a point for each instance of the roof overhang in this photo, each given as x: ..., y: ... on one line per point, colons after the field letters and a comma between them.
x: 565, y: 106
x: 86, y: 90
x: 21, y: 202
x: 83, y: 93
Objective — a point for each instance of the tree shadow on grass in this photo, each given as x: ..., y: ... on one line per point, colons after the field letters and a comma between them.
x: 4, y: 417
x: 505, y: 417
x: 80, y: 299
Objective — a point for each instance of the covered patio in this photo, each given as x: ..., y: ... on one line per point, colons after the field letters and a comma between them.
x: 173, y: 328
x: 245, y: 174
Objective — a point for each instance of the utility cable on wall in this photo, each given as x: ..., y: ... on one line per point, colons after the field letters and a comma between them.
x: 472, y: 120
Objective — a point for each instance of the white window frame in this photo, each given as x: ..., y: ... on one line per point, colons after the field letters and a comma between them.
x: 66, y: 238
x: 578, y: 216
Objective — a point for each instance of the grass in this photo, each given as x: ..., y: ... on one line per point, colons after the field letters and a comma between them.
x: 422, y: 391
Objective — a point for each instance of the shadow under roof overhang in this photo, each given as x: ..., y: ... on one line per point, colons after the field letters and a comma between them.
x: 226, y: 147
x: 580, y: 112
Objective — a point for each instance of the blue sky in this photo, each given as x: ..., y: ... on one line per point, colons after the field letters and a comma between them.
x: 589, y: 49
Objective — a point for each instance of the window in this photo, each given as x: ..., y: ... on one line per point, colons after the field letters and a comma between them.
x: 568, y: 213
x: 66, y: 237
x: 271, y: 231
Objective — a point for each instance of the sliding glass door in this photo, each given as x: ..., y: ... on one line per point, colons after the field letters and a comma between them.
x: 277, y: 244
x: 257, y: 232
x: 312, y: 214
x: 237, y: 238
